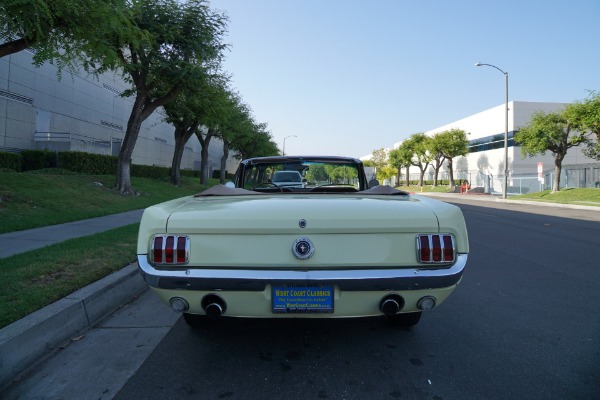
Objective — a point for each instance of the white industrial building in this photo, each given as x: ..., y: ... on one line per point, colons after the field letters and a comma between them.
x: 483, y: 167
x: 82, y: 112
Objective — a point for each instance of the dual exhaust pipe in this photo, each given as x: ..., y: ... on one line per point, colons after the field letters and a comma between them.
x: 214, y: 305
x: 392, y: 304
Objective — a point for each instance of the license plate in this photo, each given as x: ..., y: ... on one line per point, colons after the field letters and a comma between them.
x: 302, y: 299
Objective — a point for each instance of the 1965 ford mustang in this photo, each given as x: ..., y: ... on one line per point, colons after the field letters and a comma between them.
x: 334, y: 246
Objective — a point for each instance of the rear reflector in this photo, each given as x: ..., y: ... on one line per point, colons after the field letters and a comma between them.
x: 170, y: 249
x: 436, y: 249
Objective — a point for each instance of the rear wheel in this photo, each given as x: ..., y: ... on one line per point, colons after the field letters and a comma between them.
x: 405, y: 320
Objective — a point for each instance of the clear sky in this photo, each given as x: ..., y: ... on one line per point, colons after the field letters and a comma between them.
x: 347, y: 77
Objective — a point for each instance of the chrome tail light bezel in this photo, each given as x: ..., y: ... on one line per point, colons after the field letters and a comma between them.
x: 169, y: 250
x: 436, y: 249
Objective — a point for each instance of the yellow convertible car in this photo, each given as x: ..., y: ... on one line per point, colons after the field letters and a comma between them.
x: 335, y: 246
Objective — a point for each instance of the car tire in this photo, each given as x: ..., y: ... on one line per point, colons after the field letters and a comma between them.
x: 196, y: 321
x: 405, y: 320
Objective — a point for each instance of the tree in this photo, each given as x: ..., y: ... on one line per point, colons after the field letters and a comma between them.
x: 62, y: 31
x: 184, y: 41
x: 437, y: 141
x: 256, y: 142
x: 237, y: 123
x: 549, y: 132
x: 402, y: 158
x: 585, y: 117
x: 421, y: 147
x: 452, y: 143
x: 379, y: 158
x: 194, y: 106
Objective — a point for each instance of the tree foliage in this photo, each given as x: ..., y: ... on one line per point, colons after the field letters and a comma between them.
x: 402, y: 157
x: 197, y: 106
x: 64, y: 32
x: 549, y: 132
x: 585, y: 117
x: 421, y: 147
x: 447, y: 145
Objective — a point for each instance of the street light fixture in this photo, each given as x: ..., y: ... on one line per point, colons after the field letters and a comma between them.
x: 505, y: 126
x: 284, y: 142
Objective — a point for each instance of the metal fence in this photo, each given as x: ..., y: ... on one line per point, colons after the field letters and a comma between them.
x: 572, y: 176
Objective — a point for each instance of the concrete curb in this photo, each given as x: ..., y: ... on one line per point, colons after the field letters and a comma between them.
x: 30, y: 339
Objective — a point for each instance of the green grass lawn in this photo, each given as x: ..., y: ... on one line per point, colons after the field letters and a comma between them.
x: 37, y: 278
x: 29, y: 200
x: 583, y: 196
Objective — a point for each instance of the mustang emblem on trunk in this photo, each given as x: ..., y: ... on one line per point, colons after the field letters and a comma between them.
x: 303, y: 248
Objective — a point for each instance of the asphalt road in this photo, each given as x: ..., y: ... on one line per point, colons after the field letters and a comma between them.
x: 523, y: 324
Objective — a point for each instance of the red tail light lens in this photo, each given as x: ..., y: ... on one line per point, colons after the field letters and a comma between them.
x: 157, y: 249
x: 436, y: 249
x: 182, y: 249
x: 170, y: 249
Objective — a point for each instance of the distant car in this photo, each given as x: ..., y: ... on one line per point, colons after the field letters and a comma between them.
x: 287, y: 179
x: 331, y: 248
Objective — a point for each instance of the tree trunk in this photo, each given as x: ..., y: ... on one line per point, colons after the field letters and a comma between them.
x: 451, y: 172
x: 204, y: 143
x: 123, y: 179
x: 557, y: 169
x: 177, y: 155
x: 407, y: 175
x: 224, y: 161
x: 182, y: 135
x: 421, y: 177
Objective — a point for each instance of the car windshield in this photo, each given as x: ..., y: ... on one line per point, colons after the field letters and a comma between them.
x: 301, y: 174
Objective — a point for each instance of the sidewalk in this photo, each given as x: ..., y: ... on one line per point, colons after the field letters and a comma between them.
x: 21, y: 241
x: 29, y: 340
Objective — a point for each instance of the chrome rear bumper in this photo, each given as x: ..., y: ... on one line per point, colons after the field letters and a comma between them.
x: 348, y: 280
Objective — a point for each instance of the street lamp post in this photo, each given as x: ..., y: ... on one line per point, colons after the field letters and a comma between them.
x: 505, y: 126
x: 284, y: 142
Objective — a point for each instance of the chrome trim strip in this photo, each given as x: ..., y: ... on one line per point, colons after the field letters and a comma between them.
x: 257, y: 280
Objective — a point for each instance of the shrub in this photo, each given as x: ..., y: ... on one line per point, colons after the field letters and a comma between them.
x: 10, y: 161
x: 150, y: 171
x: 87, y: 163
x: 38, y: 159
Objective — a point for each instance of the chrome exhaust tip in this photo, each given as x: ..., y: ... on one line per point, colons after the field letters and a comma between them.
x: 213, y: 305
x: 391, y: 304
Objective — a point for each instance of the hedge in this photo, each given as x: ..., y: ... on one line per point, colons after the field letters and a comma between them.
x: 10, y: 161
x: 38, y: 159
x: 87, y: 163
x: 80, y: 162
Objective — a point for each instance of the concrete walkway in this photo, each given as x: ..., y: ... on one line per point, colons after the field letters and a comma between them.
x: 21, y: 241
x: 29, y: 340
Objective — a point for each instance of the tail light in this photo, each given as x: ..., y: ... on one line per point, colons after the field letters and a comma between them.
x: 170, y: 250
x: 436, y: 249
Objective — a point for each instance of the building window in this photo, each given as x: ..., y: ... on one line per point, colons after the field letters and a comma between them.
x: 491, y: 142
